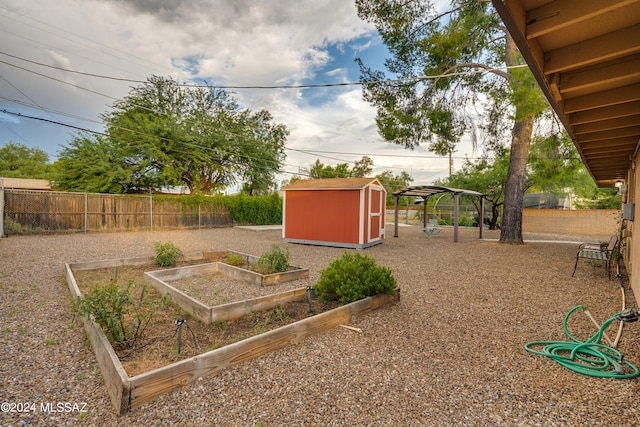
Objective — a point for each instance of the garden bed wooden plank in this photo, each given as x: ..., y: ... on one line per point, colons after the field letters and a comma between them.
x: 145, y: 387
x: 192, y: 306
x: 115, y: 376
x: 235, y: 310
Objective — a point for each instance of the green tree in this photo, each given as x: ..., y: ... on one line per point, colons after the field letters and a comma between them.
x: 165, y: 134
x: 554, y: 165
x: 263, y: 151
x: 465, y: 50
x: 360, y: 169
x: 93, y: 164
x: 19, y: 161
x: 392, y: 183
x: 484, y: 176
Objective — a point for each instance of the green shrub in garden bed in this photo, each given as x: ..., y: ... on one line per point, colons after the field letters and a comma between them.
x: 354, y: 277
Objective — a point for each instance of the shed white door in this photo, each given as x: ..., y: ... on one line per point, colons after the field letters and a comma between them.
x: 376, y: 211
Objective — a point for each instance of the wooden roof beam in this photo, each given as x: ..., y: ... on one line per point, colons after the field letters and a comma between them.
x: 598, y: 49
x: 606, y: 74
x: 604, y: 113
x: 611, y: 135
x: 560, y: 14
x: 605, y: 98
x: 601, y: 125
x: 617, y: 150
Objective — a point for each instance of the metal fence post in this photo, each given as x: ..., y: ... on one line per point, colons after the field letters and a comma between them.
x: 150, y: 211
x: 2, y: 207
x: 86, y: 212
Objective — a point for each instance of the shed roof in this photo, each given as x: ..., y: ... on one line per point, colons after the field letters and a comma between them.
x: 331, y: 184
x: 430, y: 190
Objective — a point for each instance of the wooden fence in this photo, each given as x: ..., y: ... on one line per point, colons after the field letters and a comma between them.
x: 27, y: 211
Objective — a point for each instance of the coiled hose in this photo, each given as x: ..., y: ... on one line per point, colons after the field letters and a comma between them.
x: 587, y: 358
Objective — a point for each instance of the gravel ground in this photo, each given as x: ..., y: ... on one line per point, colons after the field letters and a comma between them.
x: 449, y: 353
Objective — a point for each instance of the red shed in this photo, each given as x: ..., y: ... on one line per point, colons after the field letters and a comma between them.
x: 343, y: 212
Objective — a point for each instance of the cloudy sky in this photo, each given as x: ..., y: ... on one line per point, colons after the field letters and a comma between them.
x: 223, y: 42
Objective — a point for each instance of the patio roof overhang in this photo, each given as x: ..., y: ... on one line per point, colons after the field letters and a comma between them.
x: 585, y: 55
x: 429, y: 190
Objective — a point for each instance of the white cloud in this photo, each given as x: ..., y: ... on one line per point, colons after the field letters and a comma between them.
x: 241, y: 43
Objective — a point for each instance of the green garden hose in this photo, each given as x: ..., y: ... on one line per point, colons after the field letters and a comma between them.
x: 587, y: 358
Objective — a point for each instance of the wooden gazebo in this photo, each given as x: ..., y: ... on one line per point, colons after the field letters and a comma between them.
x: 425, y: 191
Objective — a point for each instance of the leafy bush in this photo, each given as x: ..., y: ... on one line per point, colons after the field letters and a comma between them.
x: 257, y: 210
x: 354, y: 277
x: 275, y: 261
x: 235, y: 259
x: 122, y: 316
x: 166, y: 254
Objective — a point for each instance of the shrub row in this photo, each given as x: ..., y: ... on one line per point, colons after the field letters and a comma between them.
x: 243, y: 209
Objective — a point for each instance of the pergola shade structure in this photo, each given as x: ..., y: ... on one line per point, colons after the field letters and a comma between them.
x: 425, y: 191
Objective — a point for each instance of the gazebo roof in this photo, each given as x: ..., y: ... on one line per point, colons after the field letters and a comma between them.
x: 430, y: 190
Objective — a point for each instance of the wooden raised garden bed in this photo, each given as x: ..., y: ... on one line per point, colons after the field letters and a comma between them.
x: 128, y: 392
x: 208, y: 314
x: 250, y: 276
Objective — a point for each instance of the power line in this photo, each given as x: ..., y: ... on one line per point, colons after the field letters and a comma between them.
x: 238, y: 154
x: 312, y: 152
x: 57, y: 80
x: 300, y: 86
x: 52, y: 122
x: 377, y: 155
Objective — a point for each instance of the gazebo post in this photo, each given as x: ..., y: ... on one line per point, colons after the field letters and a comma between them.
x: 424, y: 211
x: 456, y: 214
x: 481, y: 214
x: 395, y: 215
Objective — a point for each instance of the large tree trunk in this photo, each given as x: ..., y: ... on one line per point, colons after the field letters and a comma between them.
x: 511, y: 226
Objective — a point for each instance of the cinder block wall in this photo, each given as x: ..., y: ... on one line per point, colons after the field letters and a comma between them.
x: 578, y: 222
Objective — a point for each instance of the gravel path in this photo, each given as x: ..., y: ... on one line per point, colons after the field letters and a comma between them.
x: 449, y: 353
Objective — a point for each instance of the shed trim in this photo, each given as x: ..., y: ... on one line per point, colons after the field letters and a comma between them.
x: 331, y: 184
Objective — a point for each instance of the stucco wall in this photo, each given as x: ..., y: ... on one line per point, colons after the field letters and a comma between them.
x: 631, y: 250
x: 578, y: 222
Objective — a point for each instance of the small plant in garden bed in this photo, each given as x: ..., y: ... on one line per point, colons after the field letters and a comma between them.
x: 236, y: 260
x: 354, y: 277
x: 268, y: 319
x: 274, y: 261
x: 123, y: 317
x: 166, y: 254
